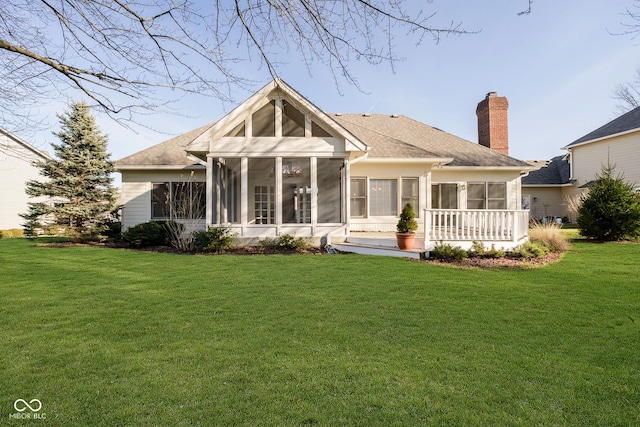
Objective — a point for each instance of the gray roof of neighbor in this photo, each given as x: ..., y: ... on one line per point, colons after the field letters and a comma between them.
x: 557, y: 171
x: 387, y: 137
x: 624, y: 123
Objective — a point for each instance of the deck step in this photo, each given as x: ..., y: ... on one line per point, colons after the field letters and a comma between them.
x: 359, y: 248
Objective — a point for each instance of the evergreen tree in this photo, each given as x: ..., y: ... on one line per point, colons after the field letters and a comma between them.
x: 611, y: 210
x: 78, y: 185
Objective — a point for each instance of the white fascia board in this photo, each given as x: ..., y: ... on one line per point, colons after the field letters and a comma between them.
x: 410, y: 160
x: 493, y: 168
x: 615, y: 135
x: 326, y: 118
x: 157, y: 167
x: 547, y: 185
x: 26, y: 145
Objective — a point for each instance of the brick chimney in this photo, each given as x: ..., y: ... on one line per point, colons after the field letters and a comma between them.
x: 493, y: 127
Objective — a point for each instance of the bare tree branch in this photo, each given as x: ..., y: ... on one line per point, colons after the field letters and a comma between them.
x: 130, y: 57
x: 628, y: 94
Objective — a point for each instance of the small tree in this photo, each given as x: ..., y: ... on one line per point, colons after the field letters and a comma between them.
x: 77, y: 181
x: 407, y: 222
x: 611, y: 210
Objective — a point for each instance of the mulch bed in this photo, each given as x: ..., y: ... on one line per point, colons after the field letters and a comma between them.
x: 473, y: 263
x: 502, y: 263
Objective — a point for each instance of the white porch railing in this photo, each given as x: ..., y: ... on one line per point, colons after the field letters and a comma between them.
x: 469, y: 225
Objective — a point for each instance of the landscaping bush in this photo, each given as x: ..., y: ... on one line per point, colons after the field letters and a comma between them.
x: 214, y: 239
x: 611, y: 210
x: 446, y: 252
x: 531, y: 249
x: 285, y: 242
x: 12, y: 233
x: 549, y: 235
x: 152, y: 233
x: 478, y: 250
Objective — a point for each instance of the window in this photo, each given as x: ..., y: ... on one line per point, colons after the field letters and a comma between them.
x: 497, y: 195
x: 410, y: 192
x: 263, y: 121
x: 239, y: 130
x: 178, y: 200
x: 292, y: 120
x: 264, y: 204
x: 317, y: 130
x: 487, y: 195
x: 383, y: 197
x: 444, y: 196
x: 476, y: 195
x: 358, y: 197
x: 160, y: 201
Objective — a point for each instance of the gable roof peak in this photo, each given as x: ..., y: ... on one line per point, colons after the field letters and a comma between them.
x: 627, y: 122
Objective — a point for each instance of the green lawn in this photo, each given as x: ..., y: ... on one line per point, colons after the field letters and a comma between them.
x: 110, y: 337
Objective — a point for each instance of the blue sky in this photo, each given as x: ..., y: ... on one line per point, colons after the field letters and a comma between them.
x: 558, y: 67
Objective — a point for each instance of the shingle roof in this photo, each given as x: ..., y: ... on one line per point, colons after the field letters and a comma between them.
x: 557, y: 171
x: 167, y: 153
x: 624, y: 123
x: 402, y: 137
x: 387, y: 136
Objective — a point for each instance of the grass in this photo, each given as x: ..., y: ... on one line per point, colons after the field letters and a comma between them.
x: 107, y: 337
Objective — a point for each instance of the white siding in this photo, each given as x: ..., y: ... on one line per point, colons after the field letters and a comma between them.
x: 136, y: 191
x: 15, y: 171
x: 622, y: 151
x: 136, y: 200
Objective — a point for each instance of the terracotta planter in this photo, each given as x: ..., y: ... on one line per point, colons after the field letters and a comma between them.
x: 405, y: 240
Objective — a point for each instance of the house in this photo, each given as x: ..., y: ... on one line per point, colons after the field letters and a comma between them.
x: 16, y: 157
x: 279, y: 164
x: 550, y: 189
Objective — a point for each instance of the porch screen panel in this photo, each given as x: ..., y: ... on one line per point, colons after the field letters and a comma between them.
x: 229, y: 185
x: 476, y: 195
x: 383, y: 197
x: 296, y: 191
x: 263, y: 121
x: 160, y: 201
x: 358, y: 197
x: 410, y: 192
x: 262, y: 191
x: 497, y: 195
x: 292, y: 120
x: 330, y: 190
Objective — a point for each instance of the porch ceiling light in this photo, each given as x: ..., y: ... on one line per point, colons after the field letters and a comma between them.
x: 291, y: 169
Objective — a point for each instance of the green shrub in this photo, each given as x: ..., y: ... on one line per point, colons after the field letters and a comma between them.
x: 152, y: 233
x: 285, y: 242
x: 478, y: 250
x: 611, y: 209
x: 407, y: 222
x: 446, y: 252
x: 214, y: 239
x: 529, y: 250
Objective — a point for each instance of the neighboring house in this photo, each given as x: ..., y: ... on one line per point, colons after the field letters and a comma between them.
x: 16, y: 157
x: 279, y: 164
x: 551, y: 187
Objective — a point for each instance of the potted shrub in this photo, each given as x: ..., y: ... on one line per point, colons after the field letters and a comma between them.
x: 406, y: 228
